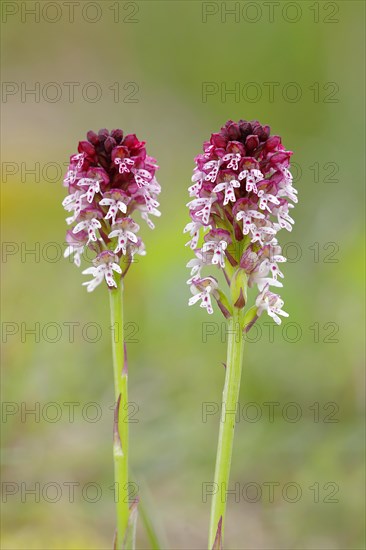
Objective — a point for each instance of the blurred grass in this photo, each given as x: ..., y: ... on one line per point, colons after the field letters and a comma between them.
x: 170, y: 52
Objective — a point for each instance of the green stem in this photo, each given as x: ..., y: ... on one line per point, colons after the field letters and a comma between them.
x: 227, y: 424
x: 120, y: 444
x: 151, y: 532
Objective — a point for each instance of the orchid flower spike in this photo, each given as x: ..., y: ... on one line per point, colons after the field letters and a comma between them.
x: 109, y: 179
x: 241, y: 197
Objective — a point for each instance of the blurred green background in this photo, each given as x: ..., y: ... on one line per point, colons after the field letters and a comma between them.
x: 169, y: 50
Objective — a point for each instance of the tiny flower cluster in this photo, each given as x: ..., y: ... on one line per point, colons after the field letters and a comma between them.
x: 109, y: 178
x: 241, y: 192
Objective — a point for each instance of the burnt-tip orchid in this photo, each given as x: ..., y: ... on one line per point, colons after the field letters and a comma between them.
x: 241, y: 197
x: 108, y: 180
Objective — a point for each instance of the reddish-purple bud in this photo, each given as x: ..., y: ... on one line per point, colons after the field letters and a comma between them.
x: 272, y: 143
x: 132, y: 142
x: 266, y: 132
x: 233, y: 131
x: 109, y: 144
x: 103, y: 134
x: 245, y: 128
x: 251, y: 142
x: 92, y: 137
x: 218, y: 140
x: 117, y: 135
x: 261, y: 132
x: 87, y: 148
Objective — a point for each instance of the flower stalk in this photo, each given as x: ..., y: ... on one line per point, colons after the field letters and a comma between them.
x: 230, y: 400
x: 120, y: 439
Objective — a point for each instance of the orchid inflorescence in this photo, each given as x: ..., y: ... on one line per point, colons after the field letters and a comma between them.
x: 240, y: 200
x: 109, y: 178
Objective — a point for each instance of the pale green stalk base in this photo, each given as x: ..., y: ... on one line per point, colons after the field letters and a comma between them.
x: 120, y: 446
x: 227, y: 425
x: 151, y: 532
